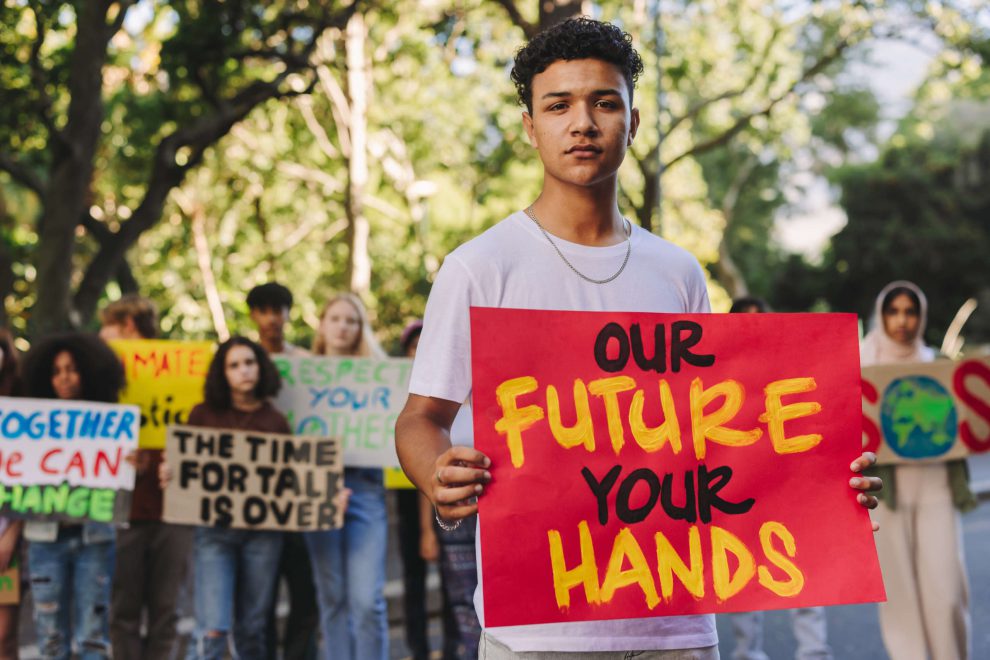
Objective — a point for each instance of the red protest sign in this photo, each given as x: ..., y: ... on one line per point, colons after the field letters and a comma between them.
x: 657, y: 464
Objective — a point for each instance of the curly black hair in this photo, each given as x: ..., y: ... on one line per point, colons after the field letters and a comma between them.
x: 101, y: 375
x: 574, y: 39
x: 216, y: 391
x: 269, y: 295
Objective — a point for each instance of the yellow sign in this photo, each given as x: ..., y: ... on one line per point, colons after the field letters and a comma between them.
x: 165, y: 379
x: 396, y: 479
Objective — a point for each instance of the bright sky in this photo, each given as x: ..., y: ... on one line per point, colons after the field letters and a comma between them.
x: 896, y: 70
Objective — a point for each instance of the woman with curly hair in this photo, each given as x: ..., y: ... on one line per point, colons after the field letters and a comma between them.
x: 349, y: 563
x: 10, y: 530
x: 71, y: 564
x: 235, y: 569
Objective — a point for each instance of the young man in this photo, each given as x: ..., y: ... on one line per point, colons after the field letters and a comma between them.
x: 269, y: 306
x: 152, y: 556
x: 570, y: 250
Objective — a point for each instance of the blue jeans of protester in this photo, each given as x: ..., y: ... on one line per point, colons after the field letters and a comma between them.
x: 235, y: 572
x: 349, y: 569
x: 70, y: 584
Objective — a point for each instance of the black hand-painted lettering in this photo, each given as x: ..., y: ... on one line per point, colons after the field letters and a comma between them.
x: 600, y: 489
x: 623, y: 506
x: 612, y: 331
x: 687, y: 512
x: 658, y: 362
x: 680, y: 346
x: 709, y: 483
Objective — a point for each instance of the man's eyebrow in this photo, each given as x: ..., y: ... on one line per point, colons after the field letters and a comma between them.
x: 608, y: 91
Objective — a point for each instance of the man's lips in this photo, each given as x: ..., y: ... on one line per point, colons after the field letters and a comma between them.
x: 584, y: 149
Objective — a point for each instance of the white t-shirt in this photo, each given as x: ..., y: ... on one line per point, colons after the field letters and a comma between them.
x: 513, y: 265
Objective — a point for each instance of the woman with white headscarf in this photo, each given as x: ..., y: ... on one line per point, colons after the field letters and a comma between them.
x: 920, y: 537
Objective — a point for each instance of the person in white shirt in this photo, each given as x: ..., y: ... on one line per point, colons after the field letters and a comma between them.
x: 570, y: 250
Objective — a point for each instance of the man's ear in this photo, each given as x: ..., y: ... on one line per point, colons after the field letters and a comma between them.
x: 528, y: 125
x: 131, y: 327
x: 633, y: 125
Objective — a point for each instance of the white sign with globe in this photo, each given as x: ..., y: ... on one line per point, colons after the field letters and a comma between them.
x: 932, y: 411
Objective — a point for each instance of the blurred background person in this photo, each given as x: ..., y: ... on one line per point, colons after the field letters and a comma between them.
x: 418, y: 543
x: 152, y: 556
x: 349, y: 563
x: 71, y: 564
x: 10, y: 530
x: 920, y: 538
x: 269, y: 306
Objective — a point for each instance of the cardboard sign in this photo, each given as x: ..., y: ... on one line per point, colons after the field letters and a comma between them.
x: 165, y: 379
x: 10, y: 584
x: 927, y: 411
x: 354, y: 399
x: 64, y: 460
x: 249, y: 480
x: 654, y: 465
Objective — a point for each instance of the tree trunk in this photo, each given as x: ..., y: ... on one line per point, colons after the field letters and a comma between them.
x: 725, y: 269
x: 558, y: 11
x: 358, y: 229
x: 72, y: 169
x: 203, y: 260
x: 727, y: 273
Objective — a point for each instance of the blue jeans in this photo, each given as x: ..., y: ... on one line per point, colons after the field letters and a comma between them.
x: 70, y: 582
x: 235, y: 571
x: 349, y: 569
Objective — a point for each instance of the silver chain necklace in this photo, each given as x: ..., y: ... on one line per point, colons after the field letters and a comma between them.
x: 628, y: 226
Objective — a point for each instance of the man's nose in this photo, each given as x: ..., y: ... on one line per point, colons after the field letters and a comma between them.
x: 583, y: 120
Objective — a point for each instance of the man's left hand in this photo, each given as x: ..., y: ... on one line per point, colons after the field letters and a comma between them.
x: 866, y: 484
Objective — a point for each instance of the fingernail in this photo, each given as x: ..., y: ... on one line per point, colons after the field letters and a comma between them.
x: 487, y: 475
x: 855, y: 481
x: 488, y: 462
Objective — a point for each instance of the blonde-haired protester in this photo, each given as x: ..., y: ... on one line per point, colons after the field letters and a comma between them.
x: 920, y: 538
x: 349, y: 563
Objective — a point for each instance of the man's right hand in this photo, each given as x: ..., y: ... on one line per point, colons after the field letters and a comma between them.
x: 459, y: 479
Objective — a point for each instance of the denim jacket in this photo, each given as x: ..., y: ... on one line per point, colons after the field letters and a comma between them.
x: 47, y: 532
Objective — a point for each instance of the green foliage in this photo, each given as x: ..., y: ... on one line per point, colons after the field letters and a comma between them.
x: 742, y: 90
x: 916, y: 214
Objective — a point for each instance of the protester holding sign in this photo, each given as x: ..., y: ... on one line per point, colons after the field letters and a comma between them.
x: 71, y: 565
x: 570, y: 250
x: 269, y: 306
x: 349, y: 563
x: 235, y: 569
x: 920, y: 539
x: 152, y: 556
x: 10, y: 530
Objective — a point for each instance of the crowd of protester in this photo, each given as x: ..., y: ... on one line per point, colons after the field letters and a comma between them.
x: 98, y: 591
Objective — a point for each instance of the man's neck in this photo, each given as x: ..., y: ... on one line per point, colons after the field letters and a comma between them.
x: 272, y: 345
x: 583, y: 215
